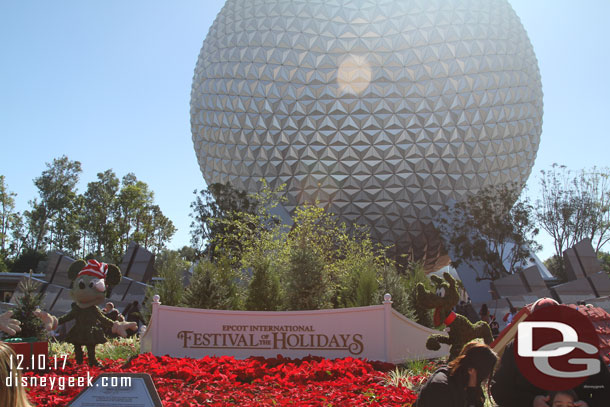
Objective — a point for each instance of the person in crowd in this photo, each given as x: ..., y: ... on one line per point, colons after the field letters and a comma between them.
x: 510, y: 389
x: 112, y: 313
x: 564, y: 398
x: 14, y: 395
x: 484, y: 314
x: 132, y: 314
x: 511, y: 314
x: 459, y: 383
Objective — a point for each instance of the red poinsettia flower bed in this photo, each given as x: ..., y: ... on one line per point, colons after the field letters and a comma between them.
x: 222, y: 381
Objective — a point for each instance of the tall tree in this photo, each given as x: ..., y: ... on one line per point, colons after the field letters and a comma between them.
x: 162, y: 229
x: 594, y: 186
x: 57, y: 192
x: 217, y: 202
x: 492, y: 227
x: 170, y: 267
x: 99, y: 220
x: 21, y: 236
x: 556, y: 209
x: 138, y: 218
x: 65, y: 228
x: 9, y: 219
x: 133, y: 203
x: 574, y: 207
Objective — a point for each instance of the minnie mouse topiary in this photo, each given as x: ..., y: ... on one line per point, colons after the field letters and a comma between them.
x: 91, y: 283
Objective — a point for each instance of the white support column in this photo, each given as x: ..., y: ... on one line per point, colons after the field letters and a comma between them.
x: 154, y: 324
x: 387, y: 318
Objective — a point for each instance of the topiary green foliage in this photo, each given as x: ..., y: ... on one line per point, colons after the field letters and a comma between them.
x: 461, y: 330
x: 92, y: 282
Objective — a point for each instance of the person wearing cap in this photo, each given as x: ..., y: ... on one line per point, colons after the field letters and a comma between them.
x: 509, y: 388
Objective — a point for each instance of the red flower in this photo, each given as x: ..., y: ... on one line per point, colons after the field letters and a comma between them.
x: 223, y: 381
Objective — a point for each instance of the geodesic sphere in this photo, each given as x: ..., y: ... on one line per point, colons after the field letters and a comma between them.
x: 380, y: 109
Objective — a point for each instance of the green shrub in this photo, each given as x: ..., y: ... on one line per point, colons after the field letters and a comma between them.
x: 395, y: 284
x: 317, y: 263
x: 170, y: 266
x: 213, y: 286
x: 306, y: 282
x: 367, y: 288
x: 28, y: 261
x: 557, y: 268
x: 264, y: 288
x: 116, y: 348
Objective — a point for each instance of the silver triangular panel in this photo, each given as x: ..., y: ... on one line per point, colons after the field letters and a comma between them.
x: 441, y: 98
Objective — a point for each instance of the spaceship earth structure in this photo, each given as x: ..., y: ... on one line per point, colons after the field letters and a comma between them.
x: 382, y: 110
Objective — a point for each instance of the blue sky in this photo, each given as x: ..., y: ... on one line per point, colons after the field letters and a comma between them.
x: 108, y: 83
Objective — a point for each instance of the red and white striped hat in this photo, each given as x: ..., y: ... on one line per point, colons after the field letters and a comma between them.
x: 94, y: 268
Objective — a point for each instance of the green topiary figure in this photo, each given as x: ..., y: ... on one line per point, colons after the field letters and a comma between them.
x: 461, y: 330
x: 91, y: 282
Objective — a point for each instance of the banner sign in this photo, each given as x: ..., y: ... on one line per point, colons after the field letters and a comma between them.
x: 376, y: 332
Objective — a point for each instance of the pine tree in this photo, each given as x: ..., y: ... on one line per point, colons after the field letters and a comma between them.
x: 212, y: 287
x: 396, y: 285
x: 307, y: 286
x: 31, y: 299
x: 264, y: 289
x: 367, y: 288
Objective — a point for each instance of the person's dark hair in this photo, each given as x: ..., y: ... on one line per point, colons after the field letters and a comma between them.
x: 568, y: 392
x: 474, y: 355
x: 513, y: 310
